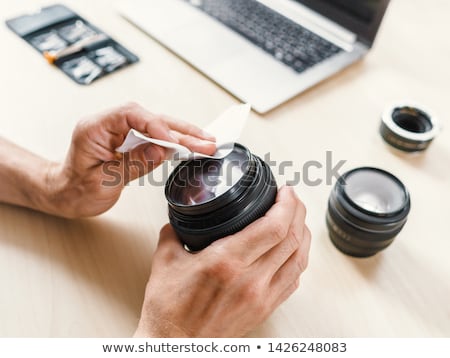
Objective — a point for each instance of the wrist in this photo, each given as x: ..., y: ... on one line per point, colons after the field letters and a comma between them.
x: 56, y: 193
x: 141, y: 332
x: 31, y: 181
x: 153, y: 325
x: 146, y: 329
x: 159, y: 330
x: 48, y: 189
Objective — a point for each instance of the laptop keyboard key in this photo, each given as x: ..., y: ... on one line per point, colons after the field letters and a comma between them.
x: 285, y: 40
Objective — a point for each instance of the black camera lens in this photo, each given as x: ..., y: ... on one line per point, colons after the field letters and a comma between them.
x: 367, y: 208
x: 213, y: 198
x: 408, y: 128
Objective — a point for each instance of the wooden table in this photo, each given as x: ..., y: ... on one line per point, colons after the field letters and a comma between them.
x: 63, y: 278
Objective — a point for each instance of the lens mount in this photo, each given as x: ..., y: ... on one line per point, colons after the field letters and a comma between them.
x: 408, y: 127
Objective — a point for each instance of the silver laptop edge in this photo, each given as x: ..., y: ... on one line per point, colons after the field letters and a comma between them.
x: 243, y: 69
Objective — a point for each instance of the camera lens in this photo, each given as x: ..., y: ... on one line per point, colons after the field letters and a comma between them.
x: 367, y: 208
x: 408, y: 128
x: 213, y: 198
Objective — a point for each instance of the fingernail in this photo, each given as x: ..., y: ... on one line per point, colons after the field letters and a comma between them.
x: 153, y: 154
x: 206, y: 142
x: 289, y: 188
x: 148, y: 152
x: 208, y: 136
x: 172, y: 137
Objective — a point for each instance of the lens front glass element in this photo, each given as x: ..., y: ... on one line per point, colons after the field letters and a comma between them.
x: 210, y: 199
x: 206, y: 179
x: 375, y: 191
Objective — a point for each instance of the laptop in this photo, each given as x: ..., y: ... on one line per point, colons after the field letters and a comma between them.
x: 264, y: 52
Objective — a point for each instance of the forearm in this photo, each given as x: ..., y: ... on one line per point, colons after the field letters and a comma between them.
x: 24, y: 178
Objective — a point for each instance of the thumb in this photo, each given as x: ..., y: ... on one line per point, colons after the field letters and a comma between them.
x: 169, y: 246
x: 141, y: 161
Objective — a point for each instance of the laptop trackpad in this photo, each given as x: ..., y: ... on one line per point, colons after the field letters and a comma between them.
x: 204, y: 42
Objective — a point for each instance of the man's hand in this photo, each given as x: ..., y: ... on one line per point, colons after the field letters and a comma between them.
x: 76, y: 188
x: 233, y: 285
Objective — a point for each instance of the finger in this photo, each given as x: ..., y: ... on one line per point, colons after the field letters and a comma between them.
x: 292, y: 287
x: 169, y: 246
x: 293, y: 267
x: 195, y: 144
x: 265, y: 233
x: 150, y: 124
x: 305, y: 247
x: 187, y: 128
x: 141, y: 161
x: 271, y: 261
x: 132, y: 116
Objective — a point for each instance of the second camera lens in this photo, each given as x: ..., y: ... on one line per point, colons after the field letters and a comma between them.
x: 367, y: 208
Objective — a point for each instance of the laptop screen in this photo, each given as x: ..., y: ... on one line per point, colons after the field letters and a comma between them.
x: 362, y: 17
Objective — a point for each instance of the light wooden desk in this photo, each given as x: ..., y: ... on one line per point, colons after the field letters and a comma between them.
x: 86, y: 278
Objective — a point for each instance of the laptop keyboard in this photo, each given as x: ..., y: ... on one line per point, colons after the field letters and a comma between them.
x: 281, y: 37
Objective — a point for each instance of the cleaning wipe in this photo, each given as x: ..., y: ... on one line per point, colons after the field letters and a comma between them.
x: 227, y: 129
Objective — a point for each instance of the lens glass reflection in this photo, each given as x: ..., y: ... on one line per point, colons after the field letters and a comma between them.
x: 206, y: 179
x: 375, y: 191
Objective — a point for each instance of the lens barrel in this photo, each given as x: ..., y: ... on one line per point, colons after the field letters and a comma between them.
x: 408, y: 127
x: 213, y: 198
x: 367, y: 208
